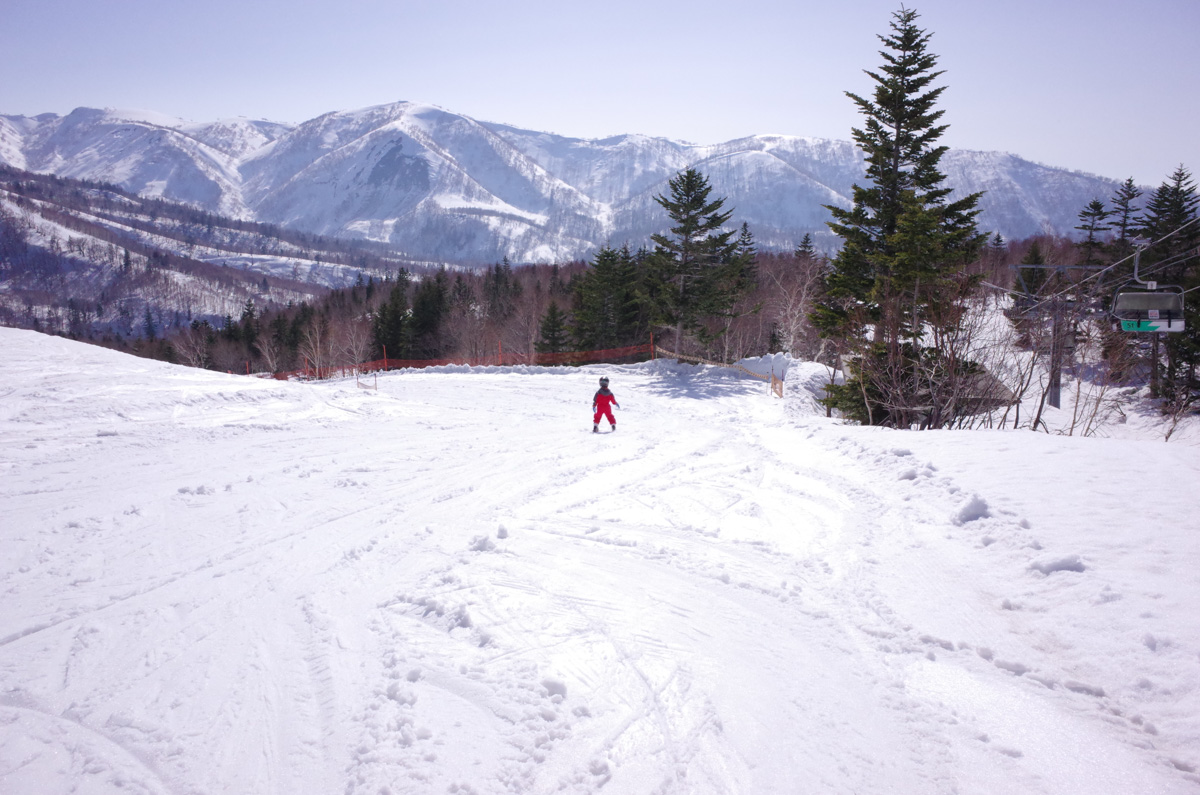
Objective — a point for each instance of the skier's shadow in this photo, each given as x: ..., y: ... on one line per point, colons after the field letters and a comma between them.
x: 704, y: 384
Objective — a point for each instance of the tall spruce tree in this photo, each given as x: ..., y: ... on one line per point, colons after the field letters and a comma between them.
x: 1171, y: 229
x: 552, y: 331
x: 1093, y: 222
x: 901, y: 270
x: 745, y: 247
x: 996, y: 255
x: 1171, y: 210
x: 1124, y: 213
x: 390, y: 326
x: 608, y: 312
x: 697, y: 272
x: 431, y: 304
x: 249, y: 323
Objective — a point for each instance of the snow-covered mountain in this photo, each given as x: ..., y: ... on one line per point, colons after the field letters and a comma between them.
x: 78, y: 258
x: 443, y: 186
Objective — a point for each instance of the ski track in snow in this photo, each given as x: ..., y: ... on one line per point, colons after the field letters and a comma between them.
x: 219, y: 584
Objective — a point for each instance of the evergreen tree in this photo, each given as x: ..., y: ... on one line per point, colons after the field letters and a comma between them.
x: 901, y: 269
x: 230, y: 329
x: 430, y: 305
x: 746, y: 249
x: 1030, y: 312
x: 1170, y: 228
x: 1031, y: 280
x: 996, y: 256
x: 1124, y: 211
x: 695, y: 273
x: 806, y: 250
x: 249, y: 323
x: 775, y: 341
x: 1171, y: 210
x: 1092, y: 222
x: 558, y: 285
x: 148, y: 326
x: 461, y: 295
x: 390, y: 324
x: 500, y: 291
x: 280, y: 328
x: 608, y: 311
x: 553, y: 331
x: 300, y: 321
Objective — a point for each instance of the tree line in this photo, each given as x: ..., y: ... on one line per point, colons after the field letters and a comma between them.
x: 701, y: 286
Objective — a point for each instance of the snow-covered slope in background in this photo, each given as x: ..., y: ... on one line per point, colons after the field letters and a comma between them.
x: 443, y: 186
x: 139, y: 149
x: 421, y: 178
x: 214, y: 583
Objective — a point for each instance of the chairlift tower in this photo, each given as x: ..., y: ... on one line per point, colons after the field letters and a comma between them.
x: 1062, y: 332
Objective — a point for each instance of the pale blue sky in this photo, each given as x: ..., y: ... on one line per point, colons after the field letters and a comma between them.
x: 1103, y: 86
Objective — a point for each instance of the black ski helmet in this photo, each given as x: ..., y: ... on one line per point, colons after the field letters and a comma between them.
x: 603, y: 380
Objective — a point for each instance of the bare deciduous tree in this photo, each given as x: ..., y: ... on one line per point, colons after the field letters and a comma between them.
x: 315, y: 345
x: 353, y: 342
x: 191, y: 346
x: 270, y: 352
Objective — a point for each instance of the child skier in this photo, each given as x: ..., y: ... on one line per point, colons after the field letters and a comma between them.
x: 602, y: 405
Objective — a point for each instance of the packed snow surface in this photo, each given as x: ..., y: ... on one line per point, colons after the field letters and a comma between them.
x: 220, y: 584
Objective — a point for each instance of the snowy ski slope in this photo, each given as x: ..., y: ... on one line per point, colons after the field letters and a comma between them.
x: 217, y: 584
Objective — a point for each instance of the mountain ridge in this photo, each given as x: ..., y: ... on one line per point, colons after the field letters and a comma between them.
x: 442, y: 186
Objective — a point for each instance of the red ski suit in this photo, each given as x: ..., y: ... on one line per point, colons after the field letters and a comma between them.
x: 602, y: 404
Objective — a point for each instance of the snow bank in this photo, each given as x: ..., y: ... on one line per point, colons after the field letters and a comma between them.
x: 775, y: 363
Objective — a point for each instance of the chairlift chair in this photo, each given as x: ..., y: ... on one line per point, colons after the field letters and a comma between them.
x: 1141, y: 309
x: 1143, y: 305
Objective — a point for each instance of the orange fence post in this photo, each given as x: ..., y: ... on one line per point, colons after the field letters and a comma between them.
x: 384, y: 358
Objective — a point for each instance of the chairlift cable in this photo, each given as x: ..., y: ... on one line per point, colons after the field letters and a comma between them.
x: 1115, y: 264
x: 1002, y: 289
x: 1166, y: 263
x: 1140, y: 249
